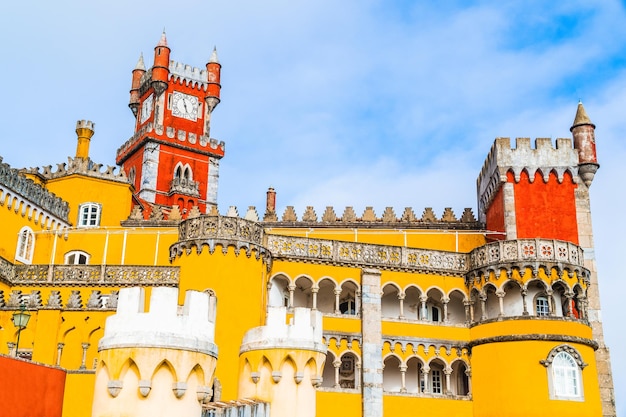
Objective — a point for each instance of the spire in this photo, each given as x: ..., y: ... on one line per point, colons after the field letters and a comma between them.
x: 213, y: 59
x: 140, y: 65
x: 163, y: 40
x: 581, y: 117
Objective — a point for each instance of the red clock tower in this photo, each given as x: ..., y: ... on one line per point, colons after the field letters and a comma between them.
x: 171, y: 159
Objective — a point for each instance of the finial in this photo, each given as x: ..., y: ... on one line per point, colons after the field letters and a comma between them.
x: 140, y: 65
x: 581, y: 117
x: 213, y: 59
x: 163, y: 41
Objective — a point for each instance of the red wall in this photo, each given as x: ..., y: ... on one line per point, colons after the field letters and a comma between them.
x: 28, y: 389
x: 495, y: 216
x: 545, y: 209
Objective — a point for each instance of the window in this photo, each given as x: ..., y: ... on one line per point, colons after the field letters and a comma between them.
x: 542, y: 308
x: 347, y: 307
x: 435, y: 313
x: 564, y: 365
x: 25, y: 245
x: 435, y: 380
x: 89, y: 215
x: 76, y: 257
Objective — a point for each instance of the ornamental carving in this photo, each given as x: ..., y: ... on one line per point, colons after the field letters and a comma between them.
x: 221, y: 227
x: 95, y: 275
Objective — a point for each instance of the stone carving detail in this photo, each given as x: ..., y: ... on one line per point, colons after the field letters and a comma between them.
x: 329, y: 215
x: 95, y: 300
x: 219, y: 227
x: 7, y: 270
x: 468, y: 216
x: 156, y: 214
x: 408, y: 215
x: 309, y: 215
x: 15, y: 299
x: 112, y: 303
x: 54, y: 300
x: 290, y: 215
x: 369, y: 215
x: 92, y: 274
x: 389, y: 216
x: 367, y: 254
x: 175, y: 213
x: 349, y: 215
x: 34, y: 300
x: 2, y: 303
x: 12, y: 182
x: 82, y: 166
x: 448, y: 215
x: 136, y: 213
x: 75, y: 301
x: 194, y: 212
x: 429, y: 215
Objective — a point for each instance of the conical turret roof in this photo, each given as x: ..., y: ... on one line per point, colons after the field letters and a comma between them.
x: 581, y: 117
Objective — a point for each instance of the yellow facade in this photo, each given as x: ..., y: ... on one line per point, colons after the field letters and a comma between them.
x: 444, y: 324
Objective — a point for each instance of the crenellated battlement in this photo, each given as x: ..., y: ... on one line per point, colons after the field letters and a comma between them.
x: 189, y: 327
x: 14, y: 186
x: 80, y: 166
x: 85, y: 124
x: 545, y: 157
x: 186, y: 73
x: 304, y: 331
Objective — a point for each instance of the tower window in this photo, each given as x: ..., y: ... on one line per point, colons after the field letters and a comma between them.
x: 25, y: 245
x: 89, y: 215
x: 564, y: 365
x: 542, y: 308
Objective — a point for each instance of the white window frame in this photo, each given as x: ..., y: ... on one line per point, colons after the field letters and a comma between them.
x: 564, y: 365
x: 25, y: 245
x: 88, y: 208
x: 76, y: 254
x: 542, y: 306
x: 436, y: 384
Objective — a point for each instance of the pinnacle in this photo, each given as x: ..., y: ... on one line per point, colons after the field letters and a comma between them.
x: 213, y: 59
x: 581, y: 117
x: 140, y: 65
x: 163, y: 40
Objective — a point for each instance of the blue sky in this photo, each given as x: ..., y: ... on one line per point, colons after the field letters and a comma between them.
x: 351, y: 103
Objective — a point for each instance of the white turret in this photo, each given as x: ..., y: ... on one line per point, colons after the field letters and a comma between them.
x: 156, y: 362
x: 282, y: 363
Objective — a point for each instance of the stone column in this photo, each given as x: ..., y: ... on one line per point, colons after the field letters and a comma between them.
x: 371, y: 329
x: 425, y: 372
x: 337, y: 294
x: 423, y: 299
x: 403, y: 369
x: 551, y: 308
x: 83, y: 361
x: 468, y: 317
x: 448, y: 371
x: 314, y: 291
x: 468, y: 373
x: 483, y: 307
x: 524, y: 294
x: 337, y: 365
x: 291, y: 288
x: 500, y: 295
x: 59, y: 352
x: 401, y: 297
x: 445, y: 301
x: 569, y: 313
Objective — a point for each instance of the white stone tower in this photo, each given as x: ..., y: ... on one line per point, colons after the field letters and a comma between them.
x: 282, y: 363
x: 156, y: 362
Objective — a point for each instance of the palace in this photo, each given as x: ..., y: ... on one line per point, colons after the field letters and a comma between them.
x: 143, y: 298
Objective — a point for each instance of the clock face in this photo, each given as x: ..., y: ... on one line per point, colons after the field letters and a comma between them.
x: 146, y: 108
x: 185, y: 106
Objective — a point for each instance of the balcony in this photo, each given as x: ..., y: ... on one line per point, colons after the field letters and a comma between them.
x: 185, y: 186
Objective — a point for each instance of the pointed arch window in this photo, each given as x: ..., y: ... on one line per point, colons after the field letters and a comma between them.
x: 565, y: 365
x: 25, y: 245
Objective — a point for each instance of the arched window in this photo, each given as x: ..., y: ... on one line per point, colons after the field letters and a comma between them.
x: 565, y: 376
x: 25, y: 245
x: 564, y: 365
x: 77, y: 257
x: 89, y: 215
